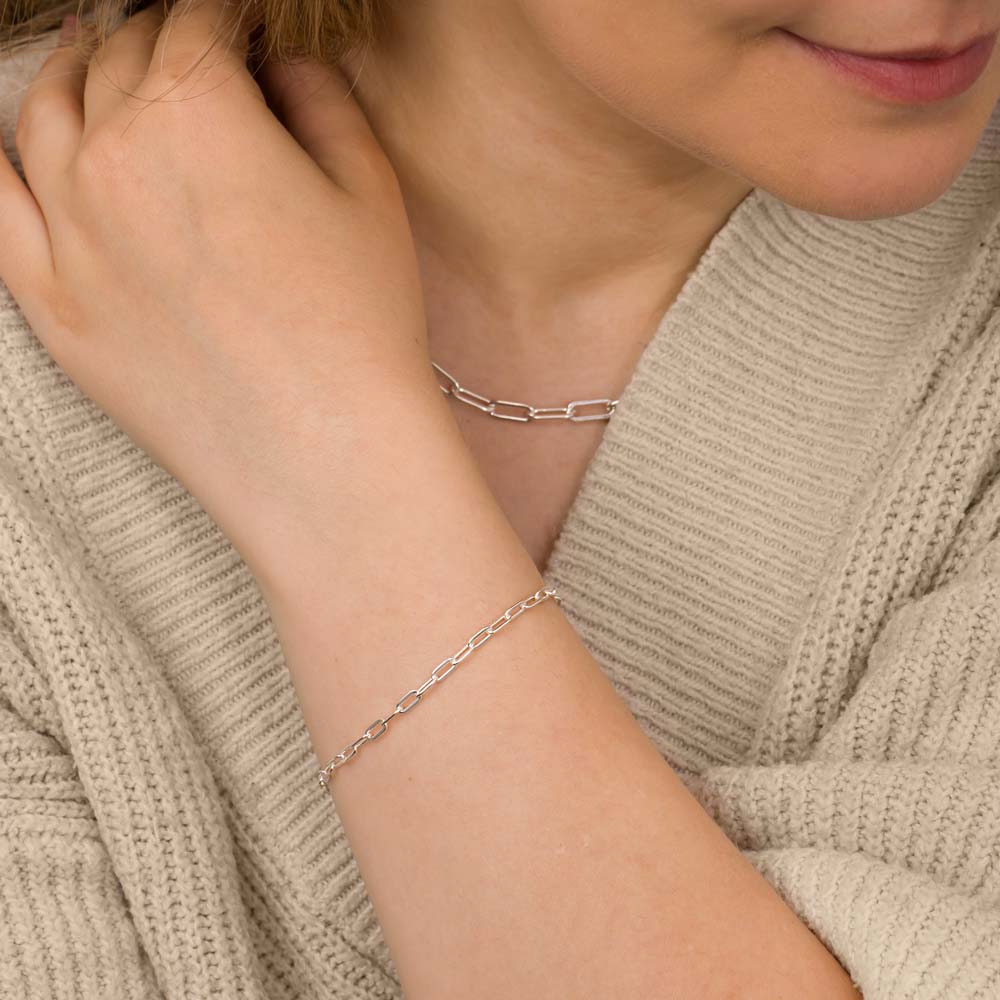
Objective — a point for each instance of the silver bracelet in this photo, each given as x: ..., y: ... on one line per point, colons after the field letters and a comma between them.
x: 438, y: 674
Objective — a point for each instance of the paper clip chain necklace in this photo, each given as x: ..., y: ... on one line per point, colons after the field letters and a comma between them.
x: 579, y: 410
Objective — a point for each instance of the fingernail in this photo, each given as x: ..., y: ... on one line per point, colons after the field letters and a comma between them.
x: 67, y: 30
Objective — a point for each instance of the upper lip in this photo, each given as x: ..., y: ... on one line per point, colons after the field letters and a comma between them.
x: 923, y: 52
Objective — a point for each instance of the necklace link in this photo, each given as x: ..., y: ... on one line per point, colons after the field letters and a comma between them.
x: 522, y: 413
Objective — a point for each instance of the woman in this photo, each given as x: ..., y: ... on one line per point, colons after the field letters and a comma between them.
x: 751, y: 750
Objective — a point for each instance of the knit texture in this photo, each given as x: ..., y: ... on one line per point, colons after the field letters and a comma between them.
x: 785, y: 555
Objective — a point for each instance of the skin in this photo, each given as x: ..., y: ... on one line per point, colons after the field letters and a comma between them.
x: 282, y: 329
x: 593, y: 149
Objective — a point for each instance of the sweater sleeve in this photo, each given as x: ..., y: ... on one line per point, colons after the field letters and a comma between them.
x: 884, y: 836
x: 65, y: 929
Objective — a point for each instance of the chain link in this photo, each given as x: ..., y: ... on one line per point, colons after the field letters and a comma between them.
x: 438, y: 674
x: 508, y: 409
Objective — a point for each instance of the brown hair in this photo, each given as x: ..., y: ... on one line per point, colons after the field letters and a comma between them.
x: 320, y: 29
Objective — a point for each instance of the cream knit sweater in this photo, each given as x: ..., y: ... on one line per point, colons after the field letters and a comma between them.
x: 786, y: 555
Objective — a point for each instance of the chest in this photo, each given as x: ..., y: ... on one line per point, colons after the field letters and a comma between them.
x: 534, y: 470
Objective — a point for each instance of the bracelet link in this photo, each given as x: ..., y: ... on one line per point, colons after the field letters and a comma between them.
x: 369, y: 735
x: 451, y: 662
x: 401, y: 707
x: 414, y: 696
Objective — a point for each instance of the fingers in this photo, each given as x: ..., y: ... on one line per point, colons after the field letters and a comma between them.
x: 201, y: 34
x: 314, y: 103
x: 120, y: 65
x: 50, y: 118
x: 25, y: 252
x: 47, y: 134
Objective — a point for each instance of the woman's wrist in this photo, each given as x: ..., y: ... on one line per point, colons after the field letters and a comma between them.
x: 410, y: 540
x: 344, y: 479
x: 400, y: 504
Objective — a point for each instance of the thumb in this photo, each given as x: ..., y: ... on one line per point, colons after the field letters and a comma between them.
x: 313, y: 101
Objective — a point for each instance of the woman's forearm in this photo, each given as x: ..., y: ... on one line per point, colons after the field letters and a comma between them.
x: 518, y: 833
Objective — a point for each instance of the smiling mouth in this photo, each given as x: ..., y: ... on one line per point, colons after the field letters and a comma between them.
x: 911, y: 77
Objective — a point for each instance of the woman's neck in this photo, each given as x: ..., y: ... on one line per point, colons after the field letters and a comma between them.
x: 544, y: 221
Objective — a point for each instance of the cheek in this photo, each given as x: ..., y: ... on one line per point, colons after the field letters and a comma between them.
x: 642, y: 51
x: 716, y: 79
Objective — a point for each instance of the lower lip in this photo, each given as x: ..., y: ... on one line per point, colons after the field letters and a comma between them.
x: 909, y: 81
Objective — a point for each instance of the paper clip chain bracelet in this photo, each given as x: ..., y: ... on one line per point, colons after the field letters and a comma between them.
x: 438, y: 674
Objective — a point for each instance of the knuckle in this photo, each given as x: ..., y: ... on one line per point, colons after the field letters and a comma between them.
x: 197, y: 101
x: 65, y: 316
x: 25, y: 125
x: 370, y: 166
x: 110, y: 169
x: 191, y: 69
x: 21, y: 133
x: 102, y: 155
x: 62, y: 329
x: 173, y: 69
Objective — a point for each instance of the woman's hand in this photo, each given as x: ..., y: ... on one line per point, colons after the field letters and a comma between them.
x: 241, y: 300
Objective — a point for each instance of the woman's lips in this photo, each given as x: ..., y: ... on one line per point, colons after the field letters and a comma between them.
x: 908, y: 80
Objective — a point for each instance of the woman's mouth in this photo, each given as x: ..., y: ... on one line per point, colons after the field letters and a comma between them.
x: 912, y: 77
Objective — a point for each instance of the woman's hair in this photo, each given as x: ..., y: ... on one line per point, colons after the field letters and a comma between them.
x: 319, y: 29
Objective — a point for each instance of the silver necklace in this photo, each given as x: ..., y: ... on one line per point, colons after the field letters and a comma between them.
x: 506, y: 409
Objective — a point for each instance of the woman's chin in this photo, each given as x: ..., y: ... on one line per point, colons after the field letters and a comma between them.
x: 871, y: 179
x: 876, y: 196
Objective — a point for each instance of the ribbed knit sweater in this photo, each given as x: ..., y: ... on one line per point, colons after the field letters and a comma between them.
x: 785, y: 554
